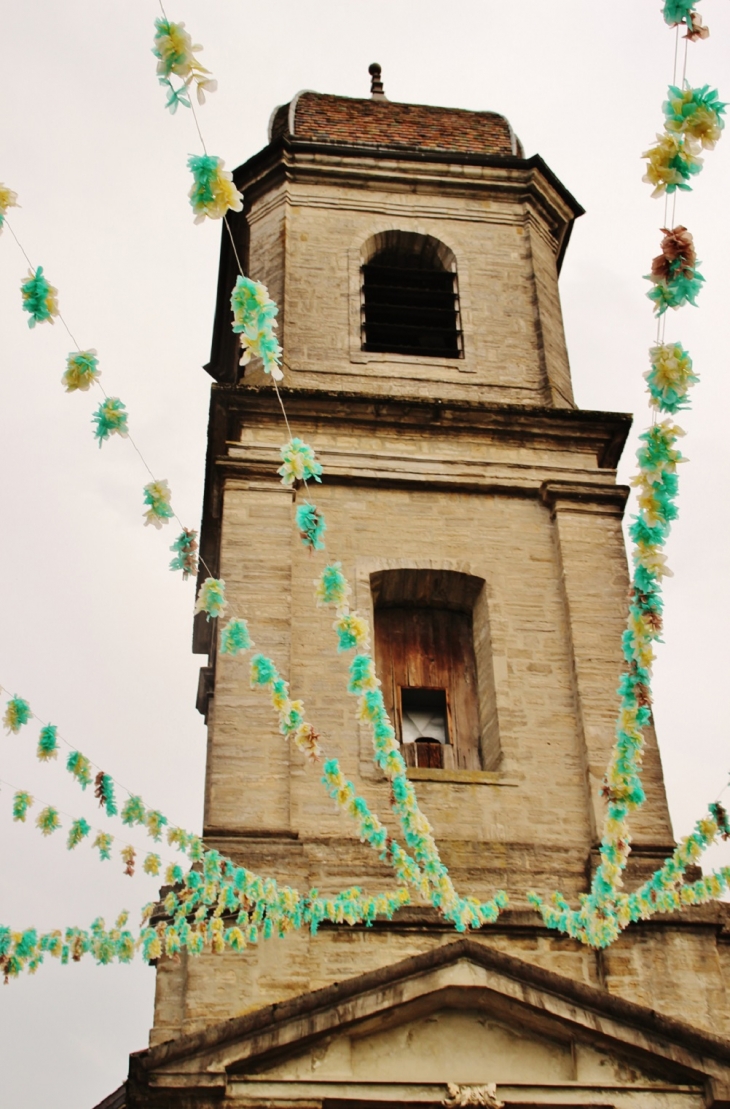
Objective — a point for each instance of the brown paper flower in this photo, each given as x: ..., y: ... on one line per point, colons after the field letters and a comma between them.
x: 695, y: 28
x: 677, y: 245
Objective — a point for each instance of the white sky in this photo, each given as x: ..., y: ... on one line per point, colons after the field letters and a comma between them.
x: 95, y: 632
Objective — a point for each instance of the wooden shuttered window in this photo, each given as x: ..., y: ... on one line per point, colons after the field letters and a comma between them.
x: 410, y: 297
x: 425, y: 658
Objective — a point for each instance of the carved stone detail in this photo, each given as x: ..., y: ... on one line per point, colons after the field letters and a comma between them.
x: 472, y: 1095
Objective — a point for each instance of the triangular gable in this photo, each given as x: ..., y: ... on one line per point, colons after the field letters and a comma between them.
x: 460, y: 1013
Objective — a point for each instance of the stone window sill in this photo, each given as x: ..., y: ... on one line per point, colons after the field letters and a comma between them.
x: 464, y: 777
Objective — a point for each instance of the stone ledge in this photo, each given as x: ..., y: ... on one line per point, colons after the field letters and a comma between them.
x: 467, y: 777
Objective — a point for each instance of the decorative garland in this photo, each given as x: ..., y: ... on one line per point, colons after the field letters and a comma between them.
x: 225, y: 887
x: 81, y: 371
x: 174, y: 50
x: 677, y: 12
x: 674, y: 276
x: 40, y: 299
x: 8, y: 199
x: 212, y: 192
x: 693, y: 120
x: 254, y: 321
x: 185, y: 558
x: 352, y: 630
x: 214, y: 890
x: 293, y: 726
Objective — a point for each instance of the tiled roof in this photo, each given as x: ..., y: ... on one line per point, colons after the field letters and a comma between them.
x: 341, y: 120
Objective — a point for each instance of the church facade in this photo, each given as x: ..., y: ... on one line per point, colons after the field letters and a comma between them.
x: 414, y: 253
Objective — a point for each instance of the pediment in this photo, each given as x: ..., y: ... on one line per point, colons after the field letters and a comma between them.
x: 461, y: 1014
x: 465, y: 1047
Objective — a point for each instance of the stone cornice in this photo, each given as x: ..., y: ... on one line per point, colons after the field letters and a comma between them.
x: 575, y: 429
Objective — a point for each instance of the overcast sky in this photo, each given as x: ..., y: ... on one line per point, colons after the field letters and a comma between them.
x: 95, y: 632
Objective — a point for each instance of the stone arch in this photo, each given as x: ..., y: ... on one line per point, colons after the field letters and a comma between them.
x: 434, y: 253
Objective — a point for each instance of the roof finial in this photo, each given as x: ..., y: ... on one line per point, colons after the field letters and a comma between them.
x: 376, y: 85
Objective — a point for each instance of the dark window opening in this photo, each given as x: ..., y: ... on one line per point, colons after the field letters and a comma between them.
x: 424, y: 725
x: 410, y: 302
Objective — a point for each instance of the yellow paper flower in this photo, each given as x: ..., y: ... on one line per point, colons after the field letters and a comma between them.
x: 8, y: 199
x: 670, y: 163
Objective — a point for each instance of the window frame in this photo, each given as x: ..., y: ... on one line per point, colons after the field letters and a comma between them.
x: 414, y: 351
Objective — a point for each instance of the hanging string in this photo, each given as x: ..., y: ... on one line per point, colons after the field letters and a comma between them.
x: 364, y: 670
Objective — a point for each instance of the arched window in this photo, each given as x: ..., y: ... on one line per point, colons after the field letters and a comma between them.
x: 410, y: 299
x: 433, y: 654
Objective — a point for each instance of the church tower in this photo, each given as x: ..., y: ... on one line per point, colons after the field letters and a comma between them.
x: 414, y: 253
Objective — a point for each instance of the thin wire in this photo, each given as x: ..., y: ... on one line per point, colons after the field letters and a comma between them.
x: 98, y: 384
x: 233, y: 244
x: 240, y: 270
x: 42, y: 801
x: 147, y: 849
x: 197, y: 125
x: 20, y: 245
x: 662, y: 321
x: 71, y: 747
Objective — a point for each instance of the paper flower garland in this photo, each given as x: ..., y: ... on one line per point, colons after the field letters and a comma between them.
x: 155, y: 822
x: 151, y: 864
x: 81, y: 370
x: 343, y: 792
x: 174, y: 50
x: 670, y: 377
x: 157, y: 497
x: 17, y: 713
x: 103, y: 844
x: 291, y: 713
x: 425, y: 870
x: 695, y: 113
x: 235, y: 638
x: 605, y: 911
x: 110, y: 419
x: 40, y: 299
x: 185, y: 558
x: 693, y: 120
x: 695, y: 28
x: 263, y: 908
x: 212, y: 192
x: 299, y: 463
x: 674, y: 276
x: 22, y: 801
x: 133, y: 811
x: 671, y: 163
x: 678, y: 11
x: 48, y: 743
x: 48, y: 820
x: 78, y: 831
x: 311, y: 524
x: 8, y: 199
x: 104, y: 793
x: 352, y: 631
x: 79, y: 766
x: 332, y: 587
x: 212, y: 598
x: 254, y: 319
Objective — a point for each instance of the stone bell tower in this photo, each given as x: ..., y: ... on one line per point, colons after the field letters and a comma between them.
x: 414, y: 253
